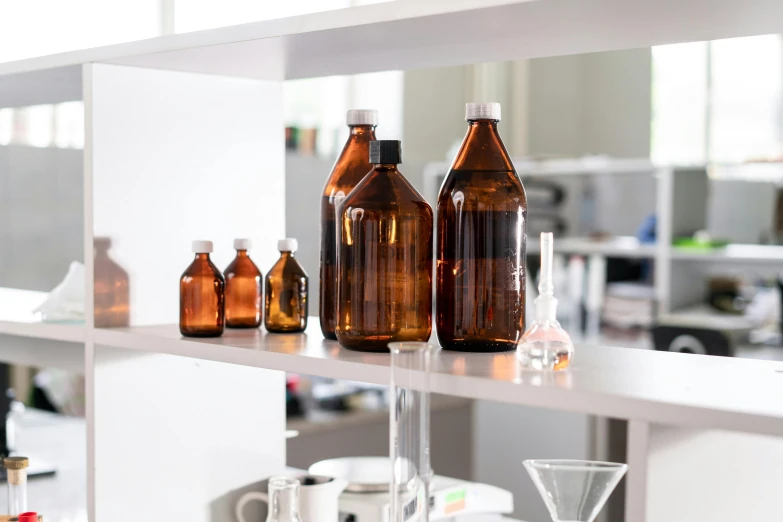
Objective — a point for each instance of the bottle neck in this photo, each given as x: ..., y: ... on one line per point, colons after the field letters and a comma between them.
x: 362, y: 132
x: 482, y: 148
x: 202, y: 256
x: 385, y: 166
x: 284, y: 499
x: 241, y: 253
x: 286, y: 254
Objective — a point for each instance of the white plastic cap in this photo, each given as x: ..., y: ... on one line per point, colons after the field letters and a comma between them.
x: 482, y: 111
x: 202, y: 247
x: 243, y: 244
x: 361, y: 117
x: 288, y: 244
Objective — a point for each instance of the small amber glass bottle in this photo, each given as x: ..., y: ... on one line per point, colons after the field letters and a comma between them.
x: 385, y: 261
x: 202, y: 296
x: 243, y: 289
x: 480, y: 286
x: 352, y: 165
x: 286, y: 292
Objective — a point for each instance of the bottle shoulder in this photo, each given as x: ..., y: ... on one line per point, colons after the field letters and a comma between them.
x: 241, y: 266
x: 351, y: 166
x: 483, y: 188
x: 286, y: 267
x: 386, y: 190
x: 201, y: 269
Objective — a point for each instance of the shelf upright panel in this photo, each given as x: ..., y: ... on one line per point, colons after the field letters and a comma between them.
x: 174, y: 157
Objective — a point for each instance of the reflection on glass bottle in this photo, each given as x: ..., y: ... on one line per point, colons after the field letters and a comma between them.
x: 202, y: 296
x: 480, y: 288
x: 243, y: 289
x: 286, y: 292
x: 352, y: 165
x: 112, y: 293
x: 385, y: 263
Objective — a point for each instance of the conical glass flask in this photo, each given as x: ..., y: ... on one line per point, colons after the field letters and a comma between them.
x: 545, y: 345
x: 574, y: 490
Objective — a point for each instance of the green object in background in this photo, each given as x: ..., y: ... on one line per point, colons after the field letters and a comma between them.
x: 696, y: 244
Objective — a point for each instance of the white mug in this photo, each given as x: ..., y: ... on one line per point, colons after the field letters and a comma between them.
x: 318, y: 498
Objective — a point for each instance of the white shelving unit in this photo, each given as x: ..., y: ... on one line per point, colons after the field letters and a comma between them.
x: 184, y: 140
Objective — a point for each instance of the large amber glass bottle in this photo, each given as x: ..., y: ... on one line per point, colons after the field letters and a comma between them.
x: 352, y: 165
x: 385, y: 263
x: 243, y: 289
x: 286, y: 292
x: 480, y: 286
x: 202, y: 296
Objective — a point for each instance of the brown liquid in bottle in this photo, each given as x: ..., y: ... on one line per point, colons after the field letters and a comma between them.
x: 480, y: 288
x: 352, y: 165
x: 202, y: 297
x: 286, y: 292
x: 243, y: 289
x: 385, y: 280
x: 111, y: 293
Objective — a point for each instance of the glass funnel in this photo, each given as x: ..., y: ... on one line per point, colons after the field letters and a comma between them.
x: 409, y: 425
x: 574, y: 490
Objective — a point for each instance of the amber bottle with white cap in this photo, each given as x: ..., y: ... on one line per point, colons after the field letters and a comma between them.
x: 350, y: 168
x: 202, y: 296
x: 243, y: 289
x: 480, y: 252
x: 286, y: 292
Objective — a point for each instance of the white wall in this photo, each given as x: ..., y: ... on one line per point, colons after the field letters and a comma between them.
x: 596, y: 103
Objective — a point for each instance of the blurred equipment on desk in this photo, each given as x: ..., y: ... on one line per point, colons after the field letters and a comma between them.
x: 736, y: 317
x: 309, y: 394
x: 629, y: 305
x: 366, y: 499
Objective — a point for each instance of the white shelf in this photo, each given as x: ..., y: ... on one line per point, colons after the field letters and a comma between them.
x: 25, y: 340
x: 17, y: 318
x: 584, y: 165
x: 623, y: 246
x: 686, y: 390
x: 413, y: 33
x: 733, y: 253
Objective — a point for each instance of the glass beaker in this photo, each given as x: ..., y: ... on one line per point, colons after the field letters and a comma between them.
x: 574, y: 490
x: 409, y: 437
x: 283, y: 500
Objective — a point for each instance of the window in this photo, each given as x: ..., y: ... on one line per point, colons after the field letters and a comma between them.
x: 718, y: 102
